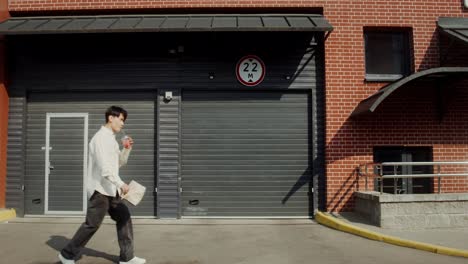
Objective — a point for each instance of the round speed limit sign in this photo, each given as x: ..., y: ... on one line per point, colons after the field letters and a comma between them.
x: 250, y: 70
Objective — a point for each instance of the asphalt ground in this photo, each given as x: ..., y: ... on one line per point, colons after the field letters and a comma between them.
x: 185, y: 241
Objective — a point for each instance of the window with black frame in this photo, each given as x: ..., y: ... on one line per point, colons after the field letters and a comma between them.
x: 387, y: 54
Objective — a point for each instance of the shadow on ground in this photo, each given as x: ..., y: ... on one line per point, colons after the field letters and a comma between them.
x: 354, y: 217
x: 59, y: 242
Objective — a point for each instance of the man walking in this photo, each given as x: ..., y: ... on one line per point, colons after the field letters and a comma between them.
x: 104, y: 188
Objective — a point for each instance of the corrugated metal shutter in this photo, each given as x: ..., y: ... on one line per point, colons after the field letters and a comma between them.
x: 169, y: 148
x: 146, y: 63
x: 15, y: 154
x: 246, y: 154
x: 140, y: 125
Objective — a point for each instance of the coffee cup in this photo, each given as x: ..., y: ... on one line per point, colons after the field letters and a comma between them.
x: 126, y: 142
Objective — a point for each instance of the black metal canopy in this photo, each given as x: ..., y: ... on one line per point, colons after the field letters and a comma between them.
x: 164, y: 23
x: 455, y: 27
x: 370, y: 104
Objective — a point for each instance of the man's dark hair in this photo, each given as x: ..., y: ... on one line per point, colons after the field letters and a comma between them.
x: 115, y: 111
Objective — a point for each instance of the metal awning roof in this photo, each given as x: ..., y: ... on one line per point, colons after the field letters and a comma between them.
x: 163, y: 23
x: 370, y: 104
x: 455, y: 27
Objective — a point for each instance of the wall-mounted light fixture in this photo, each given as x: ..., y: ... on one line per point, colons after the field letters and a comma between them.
x: 211, y: 75
x: 168, y: 95
x: 287, y: 77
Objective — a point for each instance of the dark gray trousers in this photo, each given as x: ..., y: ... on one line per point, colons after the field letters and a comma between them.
x: 98, y: 205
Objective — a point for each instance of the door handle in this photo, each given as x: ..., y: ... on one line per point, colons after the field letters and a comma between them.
x: 51, y: 167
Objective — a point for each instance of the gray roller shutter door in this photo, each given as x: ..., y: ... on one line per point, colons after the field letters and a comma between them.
x: 140, y: 125
x: 16, y: 154
x: 246, y: 154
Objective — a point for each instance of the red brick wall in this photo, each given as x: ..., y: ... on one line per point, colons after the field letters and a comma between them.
x: 3, y: 127
x: 3, y: 108
x: 57, y: 5
x: 3, y: 137
x: 406, y: 118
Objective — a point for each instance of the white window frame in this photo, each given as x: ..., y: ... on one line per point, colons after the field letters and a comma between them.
x: 47, y: 163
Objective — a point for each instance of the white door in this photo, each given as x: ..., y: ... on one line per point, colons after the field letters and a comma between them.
x: 66, y: 163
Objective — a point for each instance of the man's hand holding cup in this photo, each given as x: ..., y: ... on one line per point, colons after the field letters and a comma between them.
x: 127, y: 142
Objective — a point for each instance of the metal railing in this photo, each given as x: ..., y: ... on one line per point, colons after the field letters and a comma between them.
x: 376, y: 170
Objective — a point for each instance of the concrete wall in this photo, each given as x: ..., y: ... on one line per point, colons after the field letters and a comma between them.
x: 414, y: 211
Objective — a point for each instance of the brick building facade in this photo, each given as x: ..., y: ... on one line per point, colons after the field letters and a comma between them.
x: 408, y: 118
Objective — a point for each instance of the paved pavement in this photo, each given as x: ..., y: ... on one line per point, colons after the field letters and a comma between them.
x: 186, y: 241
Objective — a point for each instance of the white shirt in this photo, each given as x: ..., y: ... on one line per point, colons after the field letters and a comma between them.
x: 104, y: 161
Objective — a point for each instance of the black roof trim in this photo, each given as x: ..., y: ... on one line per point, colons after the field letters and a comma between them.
x: 163, y: 23
x: 455, y: 27
x: 370, y: 104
